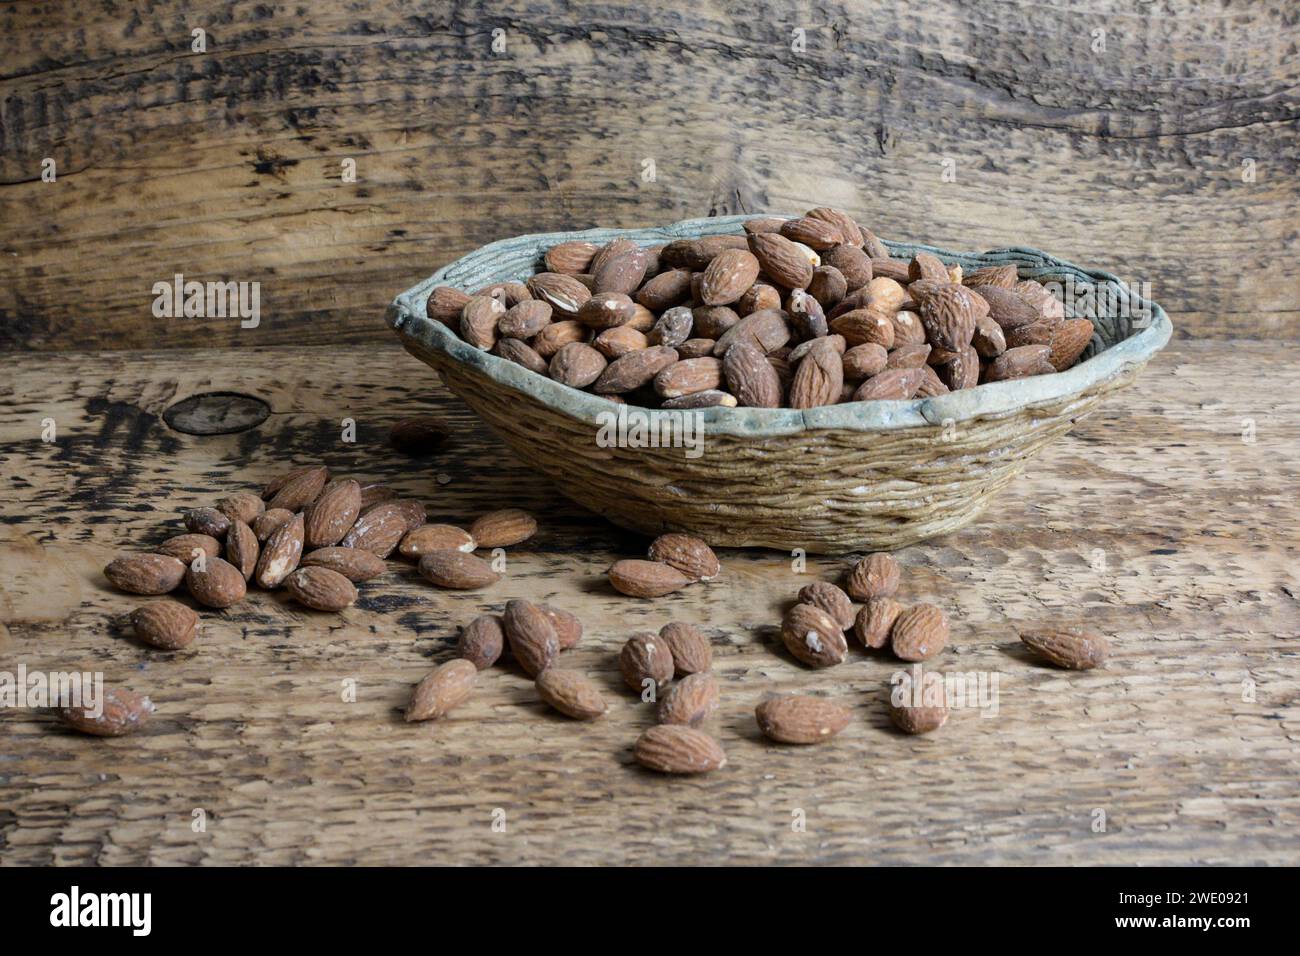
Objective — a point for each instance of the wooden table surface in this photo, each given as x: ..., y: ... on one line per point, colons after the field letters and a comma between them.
x: 1161, y: 520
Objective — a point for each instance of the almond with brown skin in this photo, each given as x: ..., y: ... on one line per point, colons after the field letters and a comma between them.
x: 121, y: 712
x: 760, y: 297
x: 728, y: 277
x: 521, y: 353
x: 572, y: 694
x: 531, y: 636
x: 564, y: 293
x: 671, y: 748
x: 918, y: 720
x: 962, y: 370
x: 380, y: 529
x: 553, y: 338
x: 864, y: 361
x: 482, y: 640
x: 829, y: 286
x: 1035, y: 333
x: 1068, y: 343
x: 709, y: 398
x: 186, y: 547
x: 145, y: 573
x: 622, y: 273
x: 819, y: 378
x: 524, y: 320
x: 576, y: 365
x: 421, y: 435
x: 509, y: 294
x: 672, y: 328
x: 669, y: 288
x: 816, y: 234
x: 925, y: 265
x: 1073, y: 647
x: 435, y: 537
x: 896, y: 269
x: 919, y: 633
x: 797, y: 719
x: 687, y: 554
x: 479, y: 319
x: 908, y: 329
x: 781, y: 260
x: 690, y: 701
x: 766, y: 331
x: 876, y: 619
x: 813, y: 637
x: 353, y: 563
x: 570, y: 258
x: 167, y: 625
x: 634, y: 369
x: 989, y: 340
x: 268, y: 522
x: 931, y: 384
x: 1003, y: 276
x: 1020, y: 362
x: 617, y: 342
x: 445, y: 688
x: 1008, y: 309
x: 863, y: 326
x: 280, y: 554
x: 646, y: 579
x: 208, y: 521
x: 762, y: 224
x: 568, y: 629
x: 849, y: 231
x: 321, y: 589
x: 444, y: 305
x: 689, y: 375
x: 279, y: 481
x: 242, y: 548
x: 217, y: 584
x: 909, y: 356
x: 242, y: 506
x: 893, y: 384
x: 409, y: 510
x: 830, y: 599
x: 750, y: 377
x: 503, y: 528
x: 457, y: 570
x: 328, y: 518
x: 646, y: 657
x: 300, y: 490
x: 607, y: 310
x: 948, y: 317
x: 690, y: 649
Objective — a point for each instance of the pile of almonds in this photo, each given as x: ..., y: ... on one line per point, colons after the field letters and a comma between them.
x: 797, y: 313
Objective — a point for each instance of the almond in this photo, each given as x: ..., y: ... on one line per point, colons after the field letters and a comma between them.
x: 671, y: 748
x: 672, y: 328
x: 893, y: 384
x: 435, y: 537
x: 765, y: 331
x: 121, y: 712
x: 576, y: 365
x: 479, y: 319
x: 531, y: 636
x: 849, y: 231
x: 243, y: 506
x: 797, y: 719
x: 617, y: 342
x: 207, y: 521
x: 948, y: 317
x: 382, y: 528
x: 279, y: 481
x: 1073, y: 647
x: 444, y: 305
x: 280, y: 555
x: 645, y: 657
x: 1068, y: 343
x: 709, y: 398
x: 817, y: 234
x: 728, y: 277
x: 268, y: 522
x: 832, y: 600
x: 482, y: 640
x: 918, y: 720
x: 372, y: 494
x: 328, y: 518
x: 1020, y: 362
x: 634, y: 369
x: 925, y: 265
x: 819, y: 378
x: 622, y: 273
x: 300, y: 489
x: 781, y: 260
x: 689, y: 376
x: 550, y: 340
x: 750, y: 377
x: 321, y: 589
x: 145, y: 573
x: 217, y: 584
x: 876, y: 619
x: 242, y: 548
x: 353, y: 563
x: 186, y: 547
x: 568, y: 629
x: 445, y: 688
x: 423, y: 434
x: 1008, y: 309
x: 503, y: 528
x: 989, y: 340
x: 571, y: 693
x: 687, y: 554
x: 669, y: 288
x: 876, y: 575
x: 168, y: 625
x: 570, y: 258
x: 864, y: 361
x: 565, y: 293
x: 690, y: 649
x: 1003, y: 276
x: 863, y: 326
x: 919, y: 633
x: 607, y: 310
x: 646, y: 579
x: 690, y: 701
x: 813, y: 636
x: 456, y: 569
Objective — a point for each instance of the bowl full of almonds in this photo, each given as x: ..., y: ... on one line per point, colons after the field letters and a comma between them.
x: 784, y: 382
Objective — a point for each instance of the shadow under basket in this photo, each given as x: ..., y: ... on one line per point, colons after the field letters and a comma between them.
x: 849, y: 477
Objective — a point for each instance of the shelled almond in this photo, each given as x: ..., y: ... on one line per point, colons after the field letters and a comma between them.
x: 774, y: 317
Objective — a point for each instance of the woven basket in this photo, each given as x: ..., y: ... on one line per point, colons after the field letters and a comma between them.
x: 848, y: 477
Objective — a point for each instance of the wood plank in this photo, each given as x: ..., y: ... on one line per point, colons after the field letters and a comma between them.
x: 1153, y: 520
x: 227, y: 164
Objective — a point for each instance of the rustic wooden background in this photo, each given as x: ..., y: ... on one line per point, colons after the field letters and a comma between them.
x: 1153, y: 520
x: 1121, y: 135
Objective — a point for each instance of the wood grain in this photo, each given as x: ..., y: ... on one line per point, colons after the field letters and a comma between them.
x: 227, y: 165
x: 1154, y: 521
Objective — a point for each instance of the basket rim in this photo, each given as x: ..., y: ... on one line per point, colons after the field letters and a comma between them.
x: 406, y: 315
